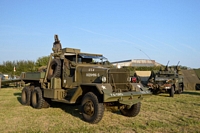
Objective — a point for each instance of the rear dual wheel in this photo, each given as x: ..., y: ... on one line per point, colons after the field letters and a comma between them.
x: 33, y: 96
x: 37, y: 99
x: 26, y: 96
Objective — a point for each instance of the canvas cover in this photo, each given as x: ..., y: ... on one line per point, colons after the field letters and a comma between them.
x: 191, y: 79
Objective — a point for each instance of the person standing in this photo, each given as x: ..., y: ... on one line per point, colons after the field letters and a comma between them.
x: 56, y: 45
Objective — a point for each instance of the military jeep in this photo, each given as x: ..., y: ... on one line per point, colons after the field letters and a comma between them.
x: 167, y: 80
x: 74, y: 77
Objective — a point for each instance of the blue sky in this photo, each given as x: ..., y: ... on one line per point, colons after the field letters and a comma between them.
x: 162, y: 30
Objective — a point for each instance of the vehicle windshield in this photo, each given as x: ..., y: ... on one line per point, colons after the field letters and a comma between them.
x: 103, y: 61
x: 96, y: 59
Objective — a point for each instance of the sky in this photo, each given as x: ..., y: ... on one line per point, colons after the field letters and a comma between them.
x: 160, y: 30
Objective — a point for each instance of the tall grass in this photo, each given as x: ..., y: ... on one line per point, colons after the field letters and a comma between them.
x: 158, y: 114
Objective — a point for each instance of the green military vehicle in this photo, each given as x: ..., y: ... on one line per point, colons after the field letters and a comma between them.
x: 74, y: 77
x: 167, y: 79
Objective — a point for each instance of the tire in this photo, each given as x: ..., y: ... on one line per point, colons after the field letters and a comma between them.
x: 55, y: 69
x: 180, y: 90
x: 155, y: 91
x: 171, y: 92
x: 131, y: 112
x: 26, y: 96
x: 92, y: 110
x: 36, y: 98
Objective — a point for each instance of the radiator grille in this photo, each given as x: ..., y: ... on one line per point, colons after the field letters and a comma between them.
x: 119, y: 78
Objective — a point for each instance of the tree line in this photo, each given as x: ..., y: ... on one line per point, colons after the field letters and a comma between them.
x: 17, y: 67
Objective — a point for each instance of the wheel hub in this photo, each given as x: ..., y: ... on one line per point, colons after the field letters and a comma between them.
x: 89, y: 108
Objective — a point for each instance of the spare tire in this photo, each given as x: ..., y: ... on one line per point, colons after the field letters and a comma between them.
x: 54, y: 69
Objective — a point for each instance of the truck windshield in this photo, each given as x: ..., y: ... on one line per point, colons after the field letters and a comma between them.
x: 95, y: 58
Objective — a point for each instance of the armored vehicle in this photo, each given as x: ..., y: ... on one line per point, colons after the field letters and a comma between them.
x: 168, y: 79
x: 87, y: 79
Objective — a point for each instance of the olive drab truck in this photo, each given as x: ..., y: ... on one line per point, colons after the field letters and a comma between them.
x: 73, y: 77
x: 166, y: 80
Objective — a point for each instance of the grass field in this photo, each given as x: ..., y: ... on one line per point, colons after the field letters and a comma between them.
x: 159, y: 114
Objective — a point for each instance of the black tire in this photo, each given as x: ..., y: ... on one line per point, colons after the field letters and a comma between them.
x: 155, y: 91
x: 92, y: 110
x: 180, y: 90
x: 131, y: 112
x: 55, y: 69
x: 171, y: 91
x: 26, y: 96
x: 37, y: 98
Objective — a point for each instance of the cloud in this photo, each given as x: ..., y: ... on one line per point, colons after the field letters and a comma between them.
x: 142, y: 41
x: 94, y: 32
x: 188, y: 46
x: 136, y: 46
x: 168, y: 45
x: 121, y: 40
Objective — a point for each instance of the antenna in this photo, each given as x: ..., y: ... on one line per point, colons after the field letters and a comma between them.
x: 145, y: 54
x: 148, y: 57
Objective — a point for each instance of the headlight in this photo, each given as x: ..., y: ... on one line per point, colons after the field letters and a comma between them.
x: 118, y: 66
x: 129, y: 79
x: 103, y: 79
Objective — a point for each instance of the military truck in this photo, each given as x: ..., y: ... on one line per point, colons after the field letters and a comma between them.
x: 166, y: 80
x: 74, y: 77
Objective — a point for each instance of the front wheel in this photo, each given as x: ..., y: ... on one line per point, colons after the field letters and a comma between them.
x: 92, y: 110
x: 132, y: 111
x: 155, y: 91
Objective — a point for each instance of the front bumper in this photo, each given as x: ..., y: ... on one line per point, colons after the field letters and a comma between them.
x: 127, y: 98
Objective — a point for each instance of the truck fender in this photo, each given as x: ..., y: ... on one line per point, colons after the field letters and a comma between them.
x: 98, y: 89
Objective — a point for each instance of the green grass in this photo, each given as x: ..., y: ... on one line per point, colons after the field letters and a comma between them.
x: 159, y: 114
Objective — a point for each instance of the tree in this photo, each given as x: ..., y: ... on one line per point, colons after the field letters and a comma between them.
x: 41, y: 62
x: 21, y: 66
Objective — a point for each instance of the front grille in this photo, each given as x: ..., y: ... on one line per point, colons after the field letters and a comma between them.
x: 119, y: 79
x: 161, y: 83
